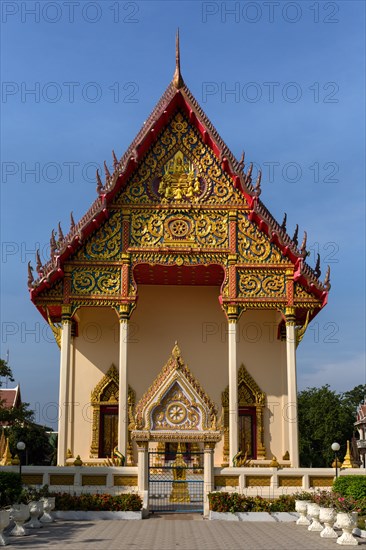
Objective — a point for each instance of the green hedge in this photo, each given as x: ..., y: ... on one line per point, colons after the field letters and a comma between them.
x: 351, y: 486
x: 104, y: 502
x: 10, y: 488
x: 233, y: 502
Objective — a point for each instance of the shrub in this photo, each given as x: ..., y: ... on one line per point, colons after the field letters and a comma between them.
x: 351, y: 486
x: 98, y: 502
x: 233, y: 502
x: 10, y: 488
x: 304, y: 495
x: 284, y: 503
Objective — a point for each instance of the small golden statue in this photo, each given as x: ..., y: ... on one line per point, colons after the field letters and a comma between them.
x: 179, y: 180
x: 180, y: 492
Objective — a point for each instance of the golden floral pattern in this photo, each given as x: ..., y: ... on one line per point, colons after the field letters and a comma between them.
x: 105, y: 243
x: 254, y: 246
x: 205, y: 229
x: 261, y: 283
x: 105, y: 280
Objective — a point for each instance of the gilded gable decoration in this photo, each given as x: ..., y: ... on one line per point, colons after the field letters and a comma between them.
x: 254, y: 246
x: 178, y: 196
x: 180, y: 180
x: 188, y: 171
x: 179, y: 228
x: 176, y: 408
x: 106, y: 242
x: 303, y: 298
x: 262, y: 283
x: 103, y: 280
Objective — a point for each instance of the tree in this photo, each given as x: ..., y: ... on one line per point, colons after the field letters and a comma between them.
x: 38, y: 449
x: 324, y: 417
x: 14, y: 414
x: 19, y: 426
x: 352, y: 398
x: 5, y: 371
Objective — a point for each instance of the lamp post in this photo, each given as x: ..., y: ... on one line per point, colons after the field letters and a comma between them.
x: 335, y: 447
x: 20, y: 447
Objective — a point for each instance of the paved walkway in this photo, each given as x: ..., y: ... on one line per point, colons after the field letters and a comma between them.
x: 170, y: 533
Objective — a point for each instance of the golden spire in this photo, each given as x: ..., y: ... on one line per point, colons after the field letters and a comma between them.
x: 177, y: 78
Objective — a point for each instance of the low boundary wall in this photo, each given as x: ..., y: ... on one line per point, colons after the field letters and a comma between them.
x: 267, y: 482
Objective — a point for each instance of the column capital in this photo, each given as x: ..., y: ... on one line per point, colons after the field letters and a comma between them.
x: 232, y: 312
x: 209, y: 446
x: 142, y: 445
x: 290, y: 313
x: 66, y: 314
x: 124, y: 311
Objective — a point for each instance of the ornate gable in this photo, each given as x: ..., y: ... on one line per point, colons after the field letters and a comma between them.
x: 176, y: 407
x: 180, y: 169
x: 178, y: 199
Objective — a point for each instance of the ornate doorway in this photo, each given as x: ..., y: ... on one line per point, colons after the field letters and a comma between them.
x: 176, y: 409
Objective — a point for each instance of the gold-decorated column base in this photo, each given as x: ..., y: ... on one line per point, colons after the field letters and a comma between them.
x: 180, y: 492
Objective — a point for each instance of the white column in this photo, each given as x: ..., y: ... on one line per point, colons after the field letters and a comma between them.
x: 123, y: 388
x: 208, y: 475
x: 142, y: 466
x: 63, y: 390
x: 233, y: 392
x: 291, y: 413
x: 71, y: 398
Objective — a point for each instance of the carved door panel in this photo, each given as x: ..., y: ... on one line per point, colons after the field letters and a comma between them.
x: 108, y: 430
x: 247, y: 431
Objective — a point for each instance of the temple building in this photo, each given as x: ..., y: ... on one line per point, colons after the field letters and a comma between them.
x: 178, y: 303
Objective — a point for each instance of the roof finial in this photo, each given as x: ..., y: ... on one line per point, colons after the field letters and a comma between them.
x: 327, y: 279
x: 257, y: 188
x: 296, y: 233
x: 242, y: 161
x: 303, y: 246
x: 30, y: 275
x: 284, y: 221
x: 177, y: 78
x: 39, y: 263
x: 99, y: 183
x: 317, y: 269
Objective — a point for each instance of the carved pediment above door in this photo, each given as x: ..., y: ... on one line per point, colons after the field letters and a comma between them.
x: 176, y: 407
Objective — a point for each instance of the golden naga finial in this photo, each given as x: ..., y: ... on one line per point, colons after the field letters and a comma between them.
x: 176, y: 351
x: 177, y: 78
x: 56, y: 329
x: 301, y: 330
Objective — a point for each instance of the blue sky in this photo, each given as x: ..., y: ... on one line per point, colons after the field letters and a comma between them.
x: 285, y: 81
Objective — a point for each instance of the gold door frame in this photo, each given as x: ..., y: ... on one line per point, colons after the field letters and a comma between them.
x: 106, y: 392
x: 249, y: 395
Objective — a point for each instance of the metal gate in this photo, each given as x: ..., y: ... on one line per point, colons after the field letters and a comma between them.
x: 176, y: 485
